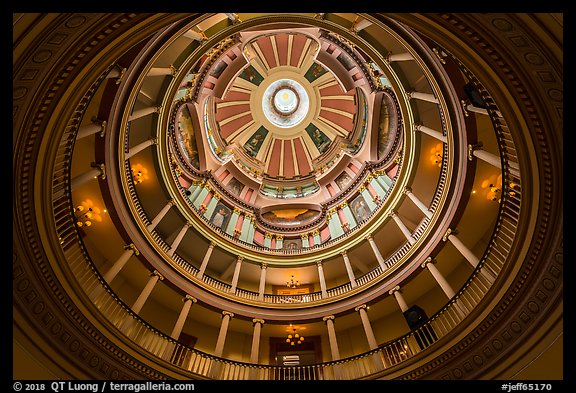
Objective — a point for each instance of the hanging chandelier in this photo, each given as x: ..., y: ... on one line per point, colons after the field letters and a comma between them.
x: 294, y: 338
x: 292, y: 283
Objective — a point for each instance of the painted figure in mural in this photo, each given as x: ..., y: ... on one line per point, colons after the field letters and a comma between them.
x: 220, y: 217
x: 360, y: 209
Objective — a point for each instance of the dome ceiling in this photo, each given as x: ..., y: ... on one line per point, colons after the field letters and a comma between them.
x: 286, y: 117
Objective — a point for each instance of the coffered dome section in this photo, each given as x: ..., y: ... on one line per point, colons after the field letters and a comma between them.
x: 285, y: 114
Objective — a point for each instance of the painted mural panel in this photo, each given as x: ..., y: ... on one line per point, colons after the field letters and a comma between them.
x: 342, y: 180
x: 320, y: 139
x: 221, y: 216
x: 290, y: 216
x: 251, y: 75
x: 314, y: 72
x: 386, y: 126
x: 185, y: 136
x: 292, y: 244
x: 234, y: 186
x: 255, y: 141
x: 360, y: 208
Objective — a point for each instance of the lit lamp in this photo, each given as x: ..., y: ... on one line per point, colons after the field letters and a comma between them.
x: 436, y: 155
x: 494, y: 188
x: 294, y: 338
x: 86, y: 213
x: 139, y: 173
x: 292, y: 283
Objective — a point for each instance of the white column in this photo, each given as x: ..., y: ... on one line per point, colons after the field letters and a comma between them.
x: 120, y: 262
x: 256, y: 340
x: 349, y: 269
x: 475, y: 109
x: 116, y: 72
x: 139, y: 303
x: 139, y: 147
x: 322, y: 279
x: 205, y: 260
x: 401, y: 302
x: 360, y: 24
x: 422, y: 96
x: 188, y: 301
x: 178, y: 238
x: 367, y: 327
x: 90, y: 129
x: 226, y: 316
x: 233, y: 17
x: 448, y: 291
x: 236, y: 273
x: 160, y: 71
x: 262, y: 281
x: 97, y: 170
x: 429, y: 263
x: 399, y: 57
x: 143, y: 112
x: 467, y: 253
x: 332, y: 337
x: 195, y: 35
x: 492, y: 159
x: 427, y: 130
x: 423, y: 208
x: 403, y: 228
x: 160, y: 215
x: 376, y: 251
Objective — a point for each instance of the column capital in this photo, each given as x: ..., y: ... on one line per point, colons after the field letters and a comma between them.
x: 464, y: 108
x: 360, y: 307
x: 263, y: 265
x: 212, y: 245
x: 393, y: 290
x: 326, y: 318
x: 187, y: 224
x: 427, y: 261
x: 230, y: 314
x: 131, y: 246
x: 101, y: 123
x: 102, y: 168
x: 471, y: 148
x: 344, y: 254
x: 407, y: 190
x: 393, y: 214
x: 239, y: 258
x: 171, y: 202
x: 319, y: 263
x: 189, y: 297
x: 157, y: 273
x: 448, y: 233
x: 369, y: 237
x: 258, y: 320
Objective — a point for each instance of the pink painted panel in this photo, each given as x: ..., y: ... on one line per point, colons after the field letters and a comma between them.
x: 288, y: 160
x: 297, y: 47
x: 333, y: 90
x: 274, y: 165
x: 303, y: 166
x: 337, y: 118
x: 228, y: 129
x: 266, y: 46
x: 229, y: 111
x: 282, y: 46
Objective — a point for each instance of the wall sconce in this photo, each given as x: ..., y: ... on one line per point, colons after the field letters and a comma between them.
x: 436, y: 154
x: 493, y: 186
x: 86, y: 213
x: 139, y: 173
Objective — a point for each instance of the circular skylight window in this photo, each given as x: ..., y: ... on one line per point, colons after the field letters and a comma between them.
x: 285, y: 103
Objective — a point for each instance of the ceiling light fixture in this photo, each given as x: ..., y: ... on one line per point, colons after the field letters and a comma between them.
x: 294, y: 338
x: 292, y: 283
